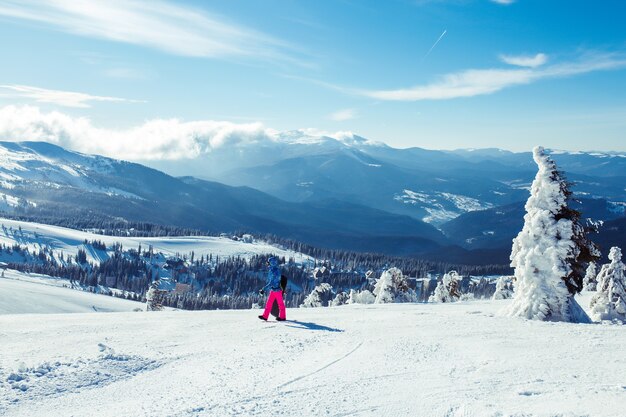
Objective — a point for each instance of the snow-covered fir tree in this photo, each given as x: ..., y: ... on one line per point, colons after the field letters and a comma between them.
x: 393, y: 287
x: 504, y: 288
x: 447, y: 290
x: 340, y: 299
x: 589, y: 281
x: 361, y: 297
x: 551, y: 251
x: 609, y: 302
x: 321, y: 295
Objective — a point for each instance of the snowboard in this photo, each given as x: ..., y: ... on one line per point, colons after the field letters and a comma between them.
x: 283, y: 285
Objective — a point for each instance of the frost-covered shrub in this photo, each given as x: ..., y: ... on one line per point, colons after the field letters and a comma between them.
x: 393, y: 287
x: 589, y: 281
x: 467, y: 297
x: 319, y: 297
x: 447, y: 290
x: 340, y: 299
x: 609, y: 302
x: 504, y: 288
x: 550, y: 251
x: 361, y: 297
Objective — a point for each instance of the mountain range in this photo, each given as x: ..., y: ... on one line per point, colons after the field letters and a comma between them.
x: 429, y: 185
x: 336, y: 192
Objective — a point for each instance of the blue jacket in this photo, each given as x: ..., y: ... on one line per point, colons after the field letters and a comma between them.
x: 273, y: 276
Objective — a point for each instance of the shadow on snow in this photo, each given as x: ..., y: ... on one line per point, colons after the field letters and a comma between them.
x: 310, y: 326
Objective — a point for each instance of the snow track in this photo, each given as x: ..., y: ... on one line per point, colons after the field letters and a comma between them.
x: 321, y: 369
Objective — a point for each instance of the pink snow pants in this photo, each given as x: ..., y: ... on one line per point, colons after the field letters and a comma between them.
x: 278, y: 296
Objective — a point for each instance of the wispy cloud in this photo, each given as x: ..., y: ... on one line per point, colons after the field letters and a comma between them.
x: 343, y: 115
x: 525, y: 60
x: 61, y: 98
x: 158, y: 24
x: 475, y: 82
x: 505, y: 2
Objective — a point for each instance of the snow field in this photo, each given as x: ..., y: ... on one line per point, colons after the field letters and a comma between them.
x: 37, y: 235
x: 38, y: 294
x: 458, y: 359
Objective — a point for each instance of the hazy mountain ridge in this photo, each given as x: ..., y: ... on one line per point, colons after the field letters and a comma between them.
x: 44, y: 179
x: 303, y: 166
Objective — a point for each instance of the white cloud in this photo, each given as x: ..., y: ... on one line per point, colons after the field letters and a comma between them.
x: 158, y: 24
x: 343, y: 115
x: 61, y: 98
x: 476, y: 82
x: 505, y: 2
x: 153, y: 140
x: 525, y: 61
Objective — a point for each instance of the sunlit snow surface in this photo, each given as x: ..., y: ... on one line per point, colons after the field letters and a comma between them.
x: 22, y: 293
x: 459, y: 359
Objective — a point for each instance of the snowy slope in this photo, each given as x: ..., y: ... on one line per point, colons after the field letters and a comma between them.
x: 49, y: 166
x: 26, y: 294
x: 431, y: 360
x: 36, y: 235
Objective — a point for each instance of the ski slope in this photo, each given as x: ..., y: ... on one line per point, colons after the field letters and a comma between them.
x: 37, y: 235
x: 38, y: 294
x: 459, y: 359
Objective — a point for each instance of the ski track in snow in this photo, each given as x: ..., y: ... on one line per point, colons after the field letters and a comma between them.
x: 456, y: 360
x: 320, y: 369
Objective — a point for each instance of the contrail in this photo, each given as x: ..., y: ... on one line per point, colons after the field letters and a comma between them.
x: 435, y: 44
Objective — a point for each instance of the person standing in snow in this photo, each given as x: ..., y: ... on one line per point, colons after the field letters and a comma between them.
x: 276, y: 292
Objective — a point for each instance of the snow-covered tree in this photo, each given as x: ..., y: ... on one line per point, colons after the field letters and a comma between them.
x: 609, y: 302
x: 589, y: 281
x: 551, y: 251
x: 340, y: 299
x: 447, y: 290
x: 319, y: 297
x: 393, y: 287
x: 504, y: 288
x: 361, y: 297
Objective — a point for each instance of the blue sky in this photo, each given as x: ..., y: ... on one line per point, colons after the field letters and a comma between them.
x: 439, y: 74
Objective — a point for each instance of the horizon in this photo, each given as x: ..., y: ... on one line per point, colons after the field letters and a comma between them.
x: 550, y: 151
x: 433, y: 74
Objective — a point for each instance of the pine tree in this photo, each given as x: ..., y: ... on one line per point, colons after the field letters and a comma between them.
x: 609, y: 302
x: 447, y: 290
x: 393, y: 287
x: 319, y: 297
x: 504, y: 288
x: 361, y: 297
x: 590, y: 281
x: 551, y: 251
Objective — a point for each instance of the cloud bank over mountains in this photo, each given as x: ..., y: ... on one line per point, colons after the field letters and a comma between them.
x: 157, y: 139
x: 153, y: 140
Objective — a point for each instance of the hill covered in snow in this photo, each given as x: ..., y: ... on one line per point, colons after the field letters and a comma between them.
x: 459, y: 359
x: 36, y: 236
x: 38, y: 294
